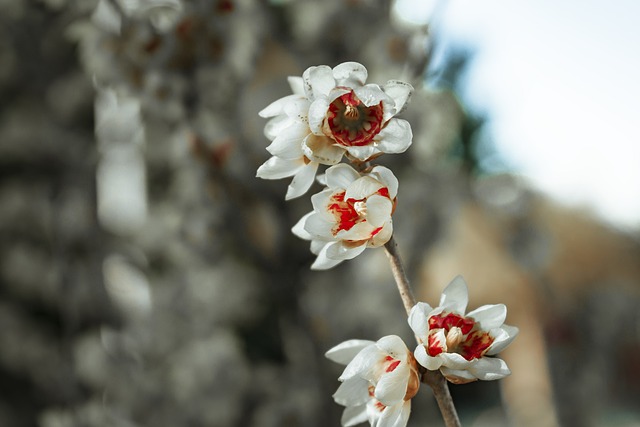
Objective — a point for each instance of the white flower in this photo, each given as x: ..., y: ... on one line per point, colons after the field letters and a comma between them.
x: 358, y: 117
x: 378, y: 383
x: 351, y: 214
x: 459, y: 344
x: 331, y: 112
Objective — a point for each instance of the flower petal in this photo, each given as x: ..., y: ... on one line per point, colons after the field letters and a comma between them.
x: 501, y: 342
x: 317, y: 113
x: 387, y: 178
x: 319, y: 227
x: 276, y: 168
x: 343, y: 251
x: 458, y: 376
x: 395, y: 137
x: 418, y: 320
x: 362, y: 187
x: 428, y: 362
x: 352, y: 392
x: 393, y: 346
x: 361, y: 232
x: 455, y: 296
x: 354, y: 415
x: 296, y: 84
x: 364, y: 364
x: 382, y: 236
x: 344, y: 352
x: 322, y: 262
x: 456, y: 361
x: 400, y: 92
x: 276, y: 125
x: 392, y: 386
x: 340, y: 177
x: 371, y: 94
x: 318, y: 81
x: 321, y: 149
x: 362, y: 152
x: 299, y: 230
x: 277, y: 106
x: 350, y: 72
x: 378, y: 210
x: 301, y: 181
x: 320, y: 201
x: 288, y: 144
x: 489, y: 369
x: 396, y: 415
x: 489, y: 316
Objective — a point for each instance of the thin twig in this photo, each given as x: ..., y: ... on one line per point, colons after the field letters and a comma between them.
x: 434, y: 379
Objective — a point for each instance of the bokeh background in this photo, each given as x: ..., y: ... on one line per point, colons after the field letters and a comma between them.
x: 147, y: 278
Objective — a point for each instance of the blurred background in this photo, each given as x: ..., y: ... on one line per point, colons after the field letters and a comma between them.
x: 147, y: 278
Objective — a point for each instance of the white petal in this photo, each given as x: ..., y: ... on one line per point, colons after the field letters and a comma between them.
x: 288, y: 144
x: 365, y: 364
x: 320, y: 201
x: 345, y: 352
x: 362, y: 187
x: 400, y: 92
x: 317, y: 113
x: 320, y: 148
x: 387, y: 178
x: 341, y: 251
x: 318, y: 81
x: 418, y: 320
x: 352, y: 392
x: 423, y: 358
x: 360, y: 232
x: 458, y: 376
x: 341, y: 176
x: 318, y: 226
x: 393, y: 346
x: 296, y: 84
x: 299, y: 230
x: 396, y: 415
x: 381, y: 237
x: 277, y: 106
x: 276, y: 125
x: 456, y: 361
x: 322, y: 262
x: 350, y: 72
x: 297, y: 110
x: 393, y: 385
x: 395, y: 137
x: 489, y: 369
x: 502, y: 341
x: 317, y: 245
x: 378, y: 210
x: 489, y: 316
x: 455, y: 296
x: 363, y: 152
x: 276, y: 168
x: 371, y: 94
x: 353, y: 415
x: 301, y: 181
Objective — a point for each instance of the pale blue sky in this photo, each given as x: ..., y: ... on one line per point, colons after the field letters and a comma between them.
x: 560, y: 82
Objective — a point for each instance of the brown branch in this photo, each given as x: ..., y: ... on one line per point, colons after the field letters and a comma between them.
x: 434, y: 379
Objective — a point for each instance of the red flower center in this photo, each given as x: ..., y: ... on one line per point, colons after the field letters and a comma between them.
x: 351, y: 122
x: 460, y: 336
x: 351, y: 211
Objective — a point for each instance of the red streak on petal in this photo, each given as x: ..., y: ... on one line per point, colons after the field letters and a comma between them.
x: 379, y: 406
x: 476, y: 345
x: 434, y: 346
x: 376, y: 231
x: 392, y: 366
x: 384, y: 192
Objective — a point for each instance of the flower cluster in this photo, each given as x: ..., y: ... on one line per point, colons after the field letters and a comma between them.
x: 333, y: 114
x: 381, y: 378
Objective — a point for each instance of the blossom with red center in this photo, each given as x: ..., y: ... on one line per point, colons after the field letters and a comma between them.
x: 350, y: 215
x: 358, y: 117
x: 461, y: 345
x: 378, y: 383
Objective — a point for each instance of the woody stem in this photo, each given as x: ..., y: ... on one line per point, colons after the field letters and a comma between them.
x: 434, y: 379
